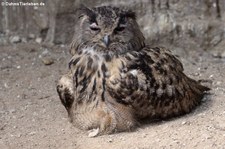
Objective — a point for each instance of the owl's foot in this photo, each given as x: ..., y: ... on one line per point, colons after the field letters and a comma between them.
x: 65, y: 91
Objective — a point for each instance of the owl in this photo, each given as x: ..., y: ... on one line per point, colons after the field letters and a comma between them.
x: 115, y: 79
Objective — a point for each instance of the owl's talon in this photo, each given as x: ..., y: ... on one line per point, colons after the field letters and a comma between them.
x: 93, y: 133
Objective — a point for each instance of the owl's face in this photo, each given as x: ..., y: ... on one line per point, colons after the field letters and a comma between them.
x: 108, y: 29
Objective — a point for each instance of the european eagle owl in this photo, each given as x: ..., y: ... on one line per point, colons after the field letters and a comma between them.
x: 115, y: 79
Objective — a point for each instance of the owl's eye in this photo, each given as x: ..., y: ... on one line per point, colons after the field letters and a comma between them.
x: 94, y: 27
x: 120, y: 28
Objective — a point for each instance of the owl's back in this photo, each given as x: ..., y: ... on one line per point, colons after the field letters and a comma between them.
x: 161, y: 89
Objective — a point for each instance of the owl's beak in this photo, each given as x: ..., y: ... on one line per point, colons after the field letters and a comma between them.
x: 106, y: 40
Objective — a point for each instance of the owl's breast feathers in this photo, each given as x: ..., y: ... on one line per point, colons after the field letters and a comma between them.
x: 151, y: 82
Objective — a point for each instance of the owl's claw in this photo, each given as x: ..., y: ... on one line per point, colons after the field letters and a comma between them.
x: 93, y: 133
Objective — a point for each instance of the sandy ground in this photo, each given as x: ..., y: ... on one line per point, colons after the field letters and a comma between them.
x: 31, y: 115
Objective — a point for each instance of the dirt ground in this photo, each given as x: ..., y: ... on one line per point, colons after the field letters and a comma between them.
x: 31, y: 115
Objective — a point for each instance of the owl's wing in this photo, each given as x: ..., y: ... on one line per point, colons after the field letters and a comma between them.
x: 151, y: 81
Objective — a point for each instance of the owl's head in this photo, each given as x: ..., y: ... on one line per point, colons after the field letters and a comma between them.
x: 107, y: 29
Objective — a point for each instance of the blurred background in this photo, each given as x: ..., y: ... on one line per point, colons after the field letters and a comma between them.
x: 191, y: 24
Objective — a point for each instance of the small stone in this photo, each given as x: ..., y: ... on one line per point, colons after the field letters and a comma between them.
x: 12, y: 111
x: 223, y: 54
x: 15, y: 39
x: 218, y: 83
x: 38, y: 40
x: 45, y: 52
x: 6, y: 85
x: 216, y: 40
x: 216, y: 54
x: 19, y: 135
x: 122, y: 139
x: 186, y: 123
x: 211, y: 76
x: 24, y: 40
x: 31, y: 36
x: 47, y: 61
x: 62, y: 45
x: 110, y: 140
x: 196, y: 74
x: 145, y: 135
x: 93, y: 133
x: 32, y: 133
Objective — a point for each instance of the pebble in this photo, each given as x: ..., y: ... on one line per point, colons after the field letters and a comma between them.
x: 93, y: 133
x: 211, y: 76
x: 47, y: 61
x: 12, y: 111
x: 6, y: 85
x: 32, y: 133
x: 122, y: 138
x: 217, y: 54
x: 145, y: 135
x: 24, y: 40
x: 38, y: 40
x: 110, y: 140
x: 31, y: 36
x: 223, y: 54
x: 15, y: 39
x: 2, y: 40
x: 184, y: 122
x: 216, y: 40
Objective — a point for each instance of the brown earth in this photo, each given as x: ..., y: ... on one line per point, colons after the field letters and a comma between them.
x: 31, y: 115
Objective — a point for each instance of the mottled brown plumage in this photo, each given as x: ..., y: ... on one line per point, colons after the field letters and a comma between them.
x: 114, y: 79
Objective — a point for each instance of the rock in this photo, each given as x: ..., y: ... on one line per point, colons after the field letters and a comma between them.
x: 45, y: 52
x: 15, y: 39
x: 47, y: 60
x: 110, y: 140
x: 144, y: 135
x: 122, y: 138
x: 12, y: 111
x: 18, y: 67
x: 31, y: 36
x: 24, y: 40
x: 216, y: 40
x: 2, y: 39
x: 38, y: 40
x: 93, y: 133
x: 223, y: 54
x: 218, y: 51
x: 32, y: 133
x: 184, y: 122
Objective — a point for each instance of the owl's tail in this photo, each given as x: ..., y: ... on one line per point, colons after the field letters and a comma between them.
x: 194, y: 95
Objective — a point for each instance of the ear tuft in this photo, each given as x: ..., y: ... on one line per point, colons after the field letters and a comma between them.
x: 130, y: 14
x: 83, y: 10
